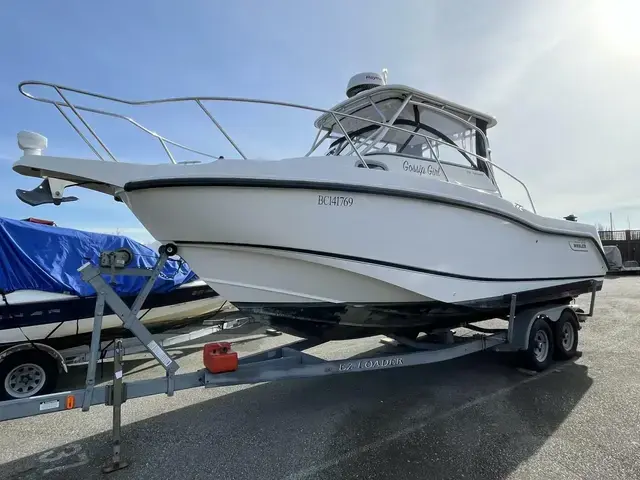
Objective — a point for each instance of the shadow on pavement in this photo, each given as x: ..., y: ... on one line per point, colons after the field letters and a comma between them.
x: 474, y: 417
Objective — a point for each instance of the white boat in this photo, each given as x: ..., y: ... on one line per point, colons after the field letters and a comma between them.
x: 399, y: 228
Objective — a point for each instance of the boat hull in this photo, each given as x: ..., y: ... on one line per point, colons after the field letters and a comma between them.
x: 346, y: 321
x: 313, y: 296
x: 305, y: 257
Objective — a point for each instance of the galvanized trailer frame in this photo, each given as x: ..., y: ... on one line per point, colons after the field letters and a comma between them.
x: 76, y: 356
x: 286, y: 362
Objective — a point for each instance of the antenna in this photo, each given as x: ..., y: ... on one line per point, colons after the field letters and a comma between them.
x: 385, y: 75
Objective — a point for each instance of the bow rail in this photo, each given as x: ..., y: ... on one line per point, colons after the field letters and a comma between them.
x: 164, y: 141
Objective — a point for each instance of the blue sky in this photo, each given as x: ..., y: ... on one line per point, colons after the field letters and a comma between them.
x: 561, y: 78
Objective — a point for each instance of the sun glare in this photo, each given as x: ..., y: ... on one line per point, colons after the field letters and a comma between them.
x: 618, y: 26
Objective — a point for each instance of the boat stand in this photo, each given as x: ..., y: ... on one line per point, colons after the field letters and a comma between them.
x: 286, y: 362
x: 110, y: 263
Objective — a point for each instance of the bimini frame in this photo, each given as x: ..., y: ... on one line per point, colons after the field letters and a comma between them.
x: 384, y: 125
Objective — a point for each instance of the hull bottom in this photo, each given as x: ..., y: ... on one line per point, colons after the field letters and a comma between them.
x: 330, y: 321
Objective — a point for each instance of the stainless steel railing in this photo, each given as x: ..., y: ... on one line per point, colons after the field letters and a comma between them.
x: 385, y: 125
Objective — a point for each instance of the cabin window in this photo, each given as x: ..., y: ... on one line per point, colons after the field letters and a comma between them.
x: 428, y: 134
x: 414, y: 144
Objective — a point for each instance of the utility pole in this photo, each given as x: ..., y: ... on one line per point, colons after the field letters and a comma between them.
x: 611, y: 220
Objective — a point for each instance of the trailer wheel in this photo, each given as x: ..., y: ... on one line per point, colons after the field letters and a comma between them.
x: 27, y: 373
x: 539, y: 352
x: 566, y: 336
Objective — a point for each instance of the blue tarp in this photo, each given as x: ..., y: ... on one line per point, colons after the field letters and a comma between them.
x: 46, y: 258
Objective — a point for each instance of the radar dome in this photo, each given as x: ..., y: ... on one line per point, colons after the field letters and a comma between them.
x: 363, y: 81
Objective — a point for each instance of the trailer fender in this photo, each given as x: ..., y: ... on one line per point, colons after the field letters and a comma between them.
x: 519, y: 338
x: 57, y: 356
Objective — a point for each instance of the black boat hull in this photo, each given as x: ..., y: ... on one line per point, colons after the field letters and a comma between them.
x: 56, y: 312
x: 330, y: 321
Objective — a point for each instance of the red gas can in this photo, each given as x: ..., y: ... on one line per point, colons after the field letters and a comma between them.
x: 218, y: 357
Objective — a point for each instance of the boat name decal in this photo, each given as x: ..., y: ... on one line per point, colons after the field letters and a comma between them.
x: 335, y: 201
x: 579, y: 245
x: 370, y: 364
x: 420, y: 169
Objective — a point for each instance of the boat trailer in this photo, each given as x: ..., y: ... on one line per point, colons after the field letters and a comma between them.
x: 535, y: 334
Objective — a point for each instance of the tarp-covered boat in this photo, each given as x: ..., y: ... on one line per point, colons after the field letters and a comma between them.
x: 44, y: 297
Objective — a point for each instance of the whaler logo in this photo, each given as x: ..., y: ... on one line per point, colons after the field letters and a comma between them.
x: 579, y: 245
x: 420, y: 169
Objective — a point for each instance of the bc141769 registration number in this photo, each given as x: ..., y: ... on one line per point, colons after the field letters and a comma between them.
x: 335, y: 201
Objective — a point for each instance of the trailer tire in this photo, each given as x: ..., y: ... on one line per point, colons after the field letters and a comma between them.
x: 39, y: 368
x: 565, y: 334
x: 539, y: 352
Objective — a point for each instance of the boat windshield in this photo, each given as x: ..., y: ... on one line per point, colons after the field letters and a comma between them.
x: 428, y: 135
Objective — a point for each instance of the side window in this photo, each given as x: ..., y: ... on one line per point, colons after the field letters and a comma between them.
x: 448, y: 139
x: 449, y: 154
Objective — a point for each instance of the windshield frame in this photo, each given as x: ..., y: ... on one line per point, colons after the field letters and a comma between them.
x: 338, y: 145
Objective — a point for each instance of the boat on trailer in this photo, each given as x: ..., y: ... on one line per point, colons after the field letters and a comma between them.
x: 399, y: 228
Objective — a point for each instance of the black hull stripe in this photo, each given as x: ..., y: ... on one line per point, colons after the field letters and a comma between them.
x: 57, y: 311
x: 339, y: 187
x: 384, y: 263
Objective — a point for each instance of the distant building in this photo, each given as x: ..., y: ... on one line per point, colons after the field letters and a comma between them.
x: 627, y: 241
